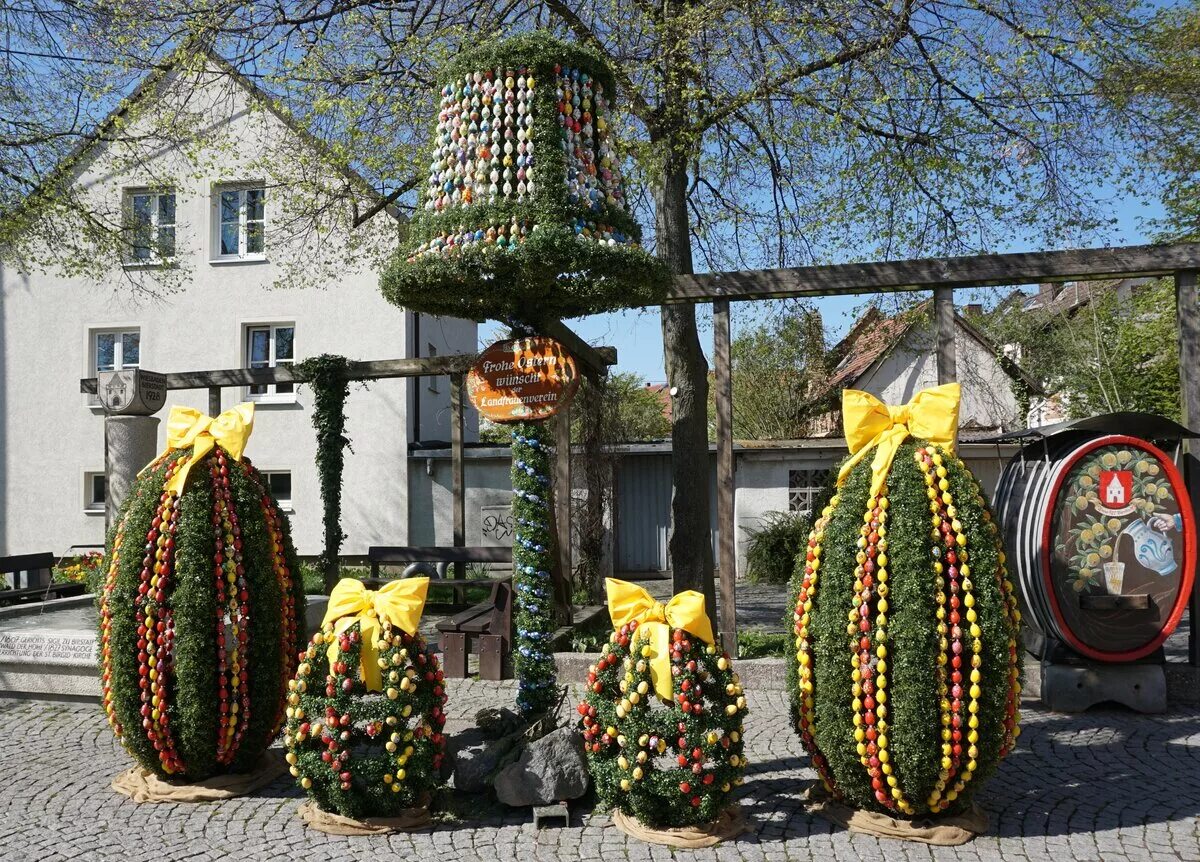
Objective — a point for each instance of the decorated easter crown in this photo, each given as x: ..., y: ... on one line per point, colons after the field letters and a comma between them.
x: 523, y: 214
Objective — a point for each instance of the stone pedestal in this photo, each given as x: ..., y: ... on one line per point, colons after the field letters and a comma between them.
x: 1075, y: 688
x: 130, y: 443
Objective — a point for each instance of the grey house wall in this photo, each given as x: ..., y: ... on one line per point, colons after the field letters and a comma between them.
x: 642, y: 494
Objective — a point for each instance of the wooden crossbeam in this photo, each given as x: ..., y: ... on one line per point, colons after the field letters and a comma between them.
x: 425, y: 366
x: 979, y: 270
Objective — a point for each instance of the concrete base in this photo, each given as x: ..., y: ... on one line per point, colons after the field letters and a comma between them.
x: 48, y: 650
x: 1075, y: 688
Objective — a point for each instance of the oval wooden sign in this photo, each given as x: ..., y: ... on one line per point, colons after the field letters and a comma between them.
x: 522, y: 380
x: 1119, y: 548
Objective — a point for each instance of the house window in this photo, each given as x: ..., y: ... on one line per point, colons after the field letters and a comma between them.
x: 95, y: 492
x: 151, y: 220
x: 804, y: 486
x: 433, y: 381
x: 240, y: 222
x: 269, y: 346
x: 279, y: 483
x: 115, y: 349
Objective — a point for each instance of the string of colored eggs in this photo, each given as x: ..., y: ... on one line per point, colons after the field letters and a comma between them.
x: 233, y: 605
x: 870, y: 667
x: 804, y: 651
x: 484, y: 147
x: 953, y: 571
x: 1012, y: 621
x: 106, y: 622
x: 593, y: 178
x: 283, y: 575
x: 155, y: 629
x: 532, y: 558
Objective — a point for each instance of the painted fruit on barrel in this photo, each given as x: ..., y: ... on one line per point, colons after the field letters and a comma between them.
x: 200, y: 615
x: 907, y: 638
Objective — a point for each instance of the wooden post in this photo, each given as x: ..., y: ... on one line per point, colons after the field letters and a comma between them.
x: 562, y: 511
x: 1187, y: 309
x: 943, y: 305
x: 457, y: 471
x: 726, y: 538
x: 214, y: 401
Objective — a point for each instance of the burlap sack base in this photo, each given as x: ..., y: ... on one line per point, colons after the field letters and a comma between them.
x: 942, y: 831
x: 411, y: 820
x: 142, y: 785
x: 728, y: 825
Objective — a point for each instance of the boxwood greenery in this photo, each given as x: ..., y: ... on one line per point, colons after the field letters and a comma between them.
x: 916, y: 706
x: 553, y: 273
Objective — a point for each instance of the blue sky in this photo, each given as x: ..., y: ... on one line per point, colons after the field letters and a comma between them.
x: 638, y: 339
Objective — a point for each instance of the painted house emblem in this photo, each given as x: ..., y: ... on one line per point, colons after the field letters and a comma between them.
x: 1116, y: 492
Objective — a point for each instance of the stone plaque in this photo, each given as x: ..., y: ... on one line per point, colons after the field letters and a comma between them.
x: 131, y: 392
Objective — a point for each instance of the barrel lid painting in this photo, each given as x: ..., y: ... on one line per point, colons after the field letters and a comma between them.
x: 522, y: 380
x: 1118, y: 543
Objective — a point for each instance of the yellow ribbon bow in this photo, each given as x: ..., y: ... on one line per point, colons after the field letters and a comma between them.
x: 630, y: 603
x: 189, y: 427
x: 931, y: 415
x: 399, y: 603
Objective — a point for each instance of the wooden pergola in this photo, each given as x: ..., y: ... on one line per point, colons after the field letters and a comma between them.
x: 941, y: 275
x: 593, y: 361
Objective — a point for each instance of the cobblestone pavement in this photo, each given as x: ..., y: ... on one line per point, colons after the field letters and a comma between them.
x: 1107, y: 785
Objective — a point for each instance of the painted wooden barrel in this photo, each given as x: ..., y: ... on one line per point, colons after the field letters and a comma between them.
x: 1103, y: 542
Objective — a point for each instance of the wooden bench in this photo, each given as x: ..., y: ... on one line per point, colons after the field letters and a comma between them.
x: 485, y: 628
x: 31, y: 579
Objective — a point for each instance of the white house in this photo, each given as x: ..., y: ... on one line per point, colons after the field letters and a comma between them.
x: 894, y: 358
x: 216, y: 222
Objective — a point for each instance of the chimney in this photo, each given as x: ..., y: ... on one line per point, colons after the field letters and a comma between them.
x: 1046, y: 290
x: 973, y: 309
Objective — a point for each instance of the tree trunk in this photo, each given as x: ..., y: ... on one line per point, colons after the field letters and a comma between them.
x: 690, y: 545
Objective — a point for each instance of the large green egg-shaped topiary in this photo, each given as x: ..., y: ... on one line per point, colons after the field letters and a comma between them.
x: 907, y: 635
x: 202, y: 612
x: 523, y: 213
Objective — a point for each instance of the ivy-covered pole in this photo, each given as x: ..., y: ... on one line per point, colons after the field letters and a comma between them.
x: 533, y: 555
x: 328, y: 375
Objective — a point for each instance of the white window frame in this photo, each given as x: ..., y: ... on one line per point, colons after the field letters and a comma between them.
x: 272, y: 394
x: 242, y: 255
x: 90, y: 505
x: 119, y: 364
x: 155, y: 258
x: 285, y: 505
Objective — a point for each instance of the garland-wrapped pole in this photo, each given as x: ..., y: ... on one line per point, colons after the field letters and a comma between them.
x: 533, y: 555
x: 328, y: 375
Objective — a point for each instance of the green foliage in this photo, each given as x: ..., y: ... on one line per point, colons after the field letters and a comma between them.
x: 360, y: 753
x: 191, y: 601
x: 552, y: 273
x: 779, y: 369
x: 648, y: 768
x: 328, y: 375
x: 756, y: 643
x: 628, y: 412
x: 773, y: 546
x: 1115, y: 352
x: 533, y: 556
x: 1158, y: 76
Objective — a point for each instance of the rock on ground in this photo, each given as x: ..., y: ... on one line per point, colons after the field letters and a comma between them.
x: 549, y: 770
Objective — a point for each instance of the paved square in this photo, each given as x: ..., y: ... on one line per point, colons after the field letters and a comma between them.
x: 1107, y: 785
